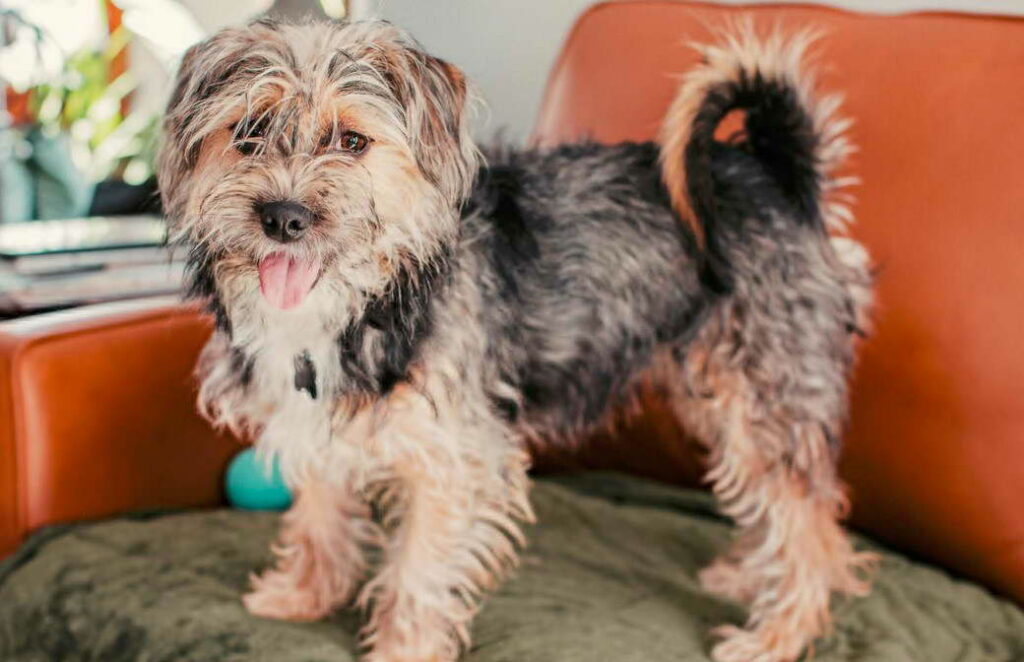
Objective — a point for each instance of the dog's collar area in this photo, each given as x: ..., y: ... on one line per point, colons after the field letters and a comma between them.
x: 305, y: 374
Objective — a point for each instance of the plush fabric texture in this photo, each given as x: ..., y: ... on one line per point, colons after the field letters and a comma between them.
x: 609, y: 576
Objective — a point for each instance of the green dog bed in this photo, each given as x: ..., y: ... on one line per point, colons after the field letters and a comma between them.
x: 609, y: 576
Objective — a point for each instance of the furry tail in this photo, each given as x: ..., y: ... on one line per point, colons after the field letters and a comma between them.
x: 797, y: 138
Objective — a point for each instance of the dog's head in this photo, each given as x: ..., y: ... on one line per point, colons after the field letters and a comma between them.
x: 332, y: 155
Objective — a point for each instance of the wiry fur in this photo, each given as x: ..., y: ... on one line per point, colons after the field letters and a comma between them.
x: 463, y: 311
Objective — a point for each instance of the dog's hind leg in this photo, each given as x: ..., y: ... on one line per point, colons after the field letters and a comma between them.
x: 765, y: 390
x: 791, y: 553
x: 320, y: 557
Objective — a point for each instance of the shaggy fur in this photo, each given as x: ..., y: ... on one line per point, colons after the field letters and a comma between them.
x: 461, y: 312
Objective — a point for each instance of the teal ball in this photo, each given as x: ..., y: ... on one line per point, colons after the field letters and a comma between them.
x: 253, y: 485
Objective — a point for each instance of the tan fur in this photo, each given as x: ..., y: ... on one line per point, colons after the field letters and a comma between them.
x: 778, y: 482
x: 452, y: 493
x: 775, y: 57
x: 432, y: 453
x: 320, y: 554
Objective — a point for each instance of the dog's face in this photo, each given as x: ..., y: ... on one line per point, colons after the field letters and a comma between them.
x: 317, y: 155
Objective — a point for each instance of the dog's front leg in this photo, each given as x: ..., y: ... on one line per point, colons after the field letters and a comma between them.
x: 417, y: 614
x: 320, y: 556
x: 458, y: 483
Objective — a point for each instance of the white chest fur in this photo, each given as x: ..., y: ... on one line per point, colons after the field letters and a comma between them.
x: 294, y: 374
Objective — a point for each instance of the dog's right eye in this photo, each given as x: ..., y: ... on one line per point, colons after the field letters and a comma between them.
x: 246, y: 147
x: 248, y: 138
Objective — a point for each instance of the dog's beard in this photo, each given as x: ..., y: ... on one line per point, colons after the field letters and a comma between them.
x: 350, y: 251
x: 226, y: 226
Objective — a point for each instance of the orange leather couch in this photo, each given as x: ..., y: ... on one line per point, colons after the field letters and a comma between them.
x: 96, y: 411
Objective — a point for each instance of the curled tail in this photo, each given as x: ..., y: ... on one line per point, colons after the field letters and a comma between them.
x: 796, y: 137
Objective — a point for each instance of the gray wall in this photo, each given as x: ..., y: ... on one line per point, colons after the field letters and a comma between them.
x: 507, y: 46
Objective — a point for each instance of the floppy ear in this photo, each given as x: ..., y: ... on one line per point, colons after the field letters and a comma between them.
x: 206, y: 69
x: 434, y: 96
x: 199, y: 76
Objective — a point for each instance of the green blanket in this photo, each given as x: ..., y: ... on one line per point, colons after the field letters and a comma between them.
x: 609, y: 576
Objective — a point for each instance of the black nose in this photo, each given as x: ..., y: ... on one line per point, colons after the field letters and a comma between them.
x: 284, y: 221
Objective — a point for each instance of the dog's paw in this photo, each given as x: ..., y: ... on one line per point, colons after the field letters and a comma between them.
x: 272, y: 598
x: 405, y: 639
x: 726, y: 579
x: 375, y: 656
x: 854, y: 577
x: 385, y: 651
x: 739, y: 645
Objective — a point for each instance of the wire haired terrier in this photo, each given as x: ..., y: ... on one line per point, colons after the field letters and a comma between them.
x: 398, y: 322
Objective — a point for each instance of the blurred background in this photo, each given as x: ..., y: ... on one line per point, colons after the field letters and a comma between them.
x: 84, y: 82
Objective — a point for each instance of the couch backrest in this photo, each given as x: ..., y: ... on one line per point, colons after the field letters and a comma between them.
x: 935, y: 452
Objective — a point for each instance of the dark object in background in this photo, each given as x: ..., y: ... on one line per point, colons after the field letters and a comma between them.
x: 47, y: 265
x: 114, y: 197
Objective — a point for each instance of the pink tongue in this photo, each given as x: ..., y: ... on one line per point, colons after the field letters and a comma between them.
x: 285, y: 281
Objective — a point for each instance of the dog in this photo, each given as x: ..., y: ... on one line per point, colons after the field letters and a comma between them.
x: 399, y: 322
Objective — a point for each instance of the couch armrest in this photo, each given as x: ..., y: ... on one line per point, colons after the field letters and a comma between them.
x: 97, y: 415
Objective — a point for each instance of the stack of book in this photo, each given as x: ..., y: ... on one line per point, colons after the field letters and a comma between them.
x: 47, y: 265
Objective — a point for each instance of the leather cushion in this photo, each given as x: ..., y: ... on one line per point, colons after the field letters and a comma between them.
x: 98, y: 416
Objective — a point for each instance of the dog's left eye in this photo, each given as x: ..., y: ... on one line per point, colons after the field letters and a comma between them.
x: 352, y: 142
